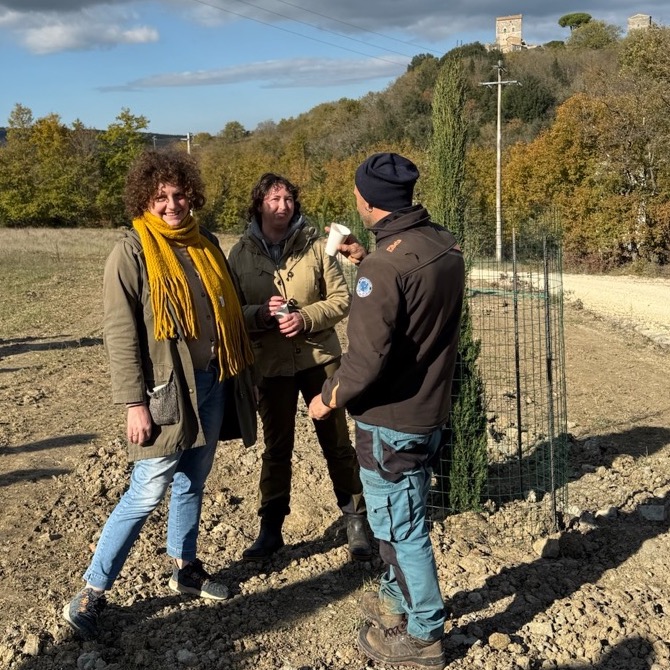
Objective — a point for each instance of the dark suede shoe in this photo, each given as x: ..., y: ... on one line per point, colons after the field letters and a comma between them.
x: 376, y: 610
x: 357, y: 538
x: 83, y: 610
x: 396, y: 646
x: 194, y: 579
x: 269, y: 541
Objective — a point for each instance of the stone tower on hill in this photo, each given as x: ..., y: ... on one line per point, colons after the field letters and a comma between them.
x: 508, y: 33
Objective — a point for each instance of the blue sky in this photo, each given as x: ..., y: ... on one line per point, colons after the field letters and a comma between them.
x: 195, y: 65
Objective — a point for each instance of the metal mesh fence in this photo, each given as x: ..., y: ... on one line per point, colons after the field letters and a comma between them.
x: 516, y: 311
x: 515, y: 308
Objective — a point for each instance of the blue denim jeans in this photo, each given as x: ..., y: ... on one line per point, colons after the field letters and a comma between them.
x: 186, y: 470
x: 396, y: 474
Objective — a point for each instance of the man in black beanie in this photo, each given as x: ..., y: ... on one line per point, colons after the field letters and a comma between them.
x: 395, y: 380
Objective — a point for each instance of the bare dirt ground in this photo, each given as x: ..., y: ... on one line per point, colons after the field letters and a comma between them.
x: 601, y: 601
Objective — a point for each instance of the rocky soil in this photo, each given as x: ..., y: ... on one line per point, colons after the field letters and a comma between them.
x: 594, y: 595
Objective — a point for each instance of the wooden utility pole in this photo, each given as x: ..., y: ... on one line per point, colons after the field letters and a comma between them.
x: 499, y: 83
x: 187, y: 139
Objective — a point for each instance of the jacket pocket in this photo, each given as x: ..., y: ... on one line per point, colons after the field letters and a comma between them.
x: 164, y: 403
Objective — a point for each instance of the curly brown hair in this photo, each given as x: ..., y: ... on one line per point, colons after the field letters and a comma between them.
x: 266, y: 184
x: 166, y: 166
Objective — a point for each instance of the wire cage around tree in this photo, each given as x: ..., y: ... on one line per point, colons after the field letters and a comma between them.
x: 513, y: 452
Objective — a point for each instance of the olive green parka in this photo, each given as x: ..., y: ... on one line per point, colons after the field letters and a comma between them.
x: 138, y: 362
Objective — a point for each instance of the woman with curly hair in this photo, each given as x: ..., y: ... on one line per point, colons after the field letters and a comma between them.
x: 179, y: 361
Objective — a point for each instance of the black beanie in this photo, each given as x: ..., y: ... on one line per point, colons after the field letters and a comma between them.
x: 386, y: 181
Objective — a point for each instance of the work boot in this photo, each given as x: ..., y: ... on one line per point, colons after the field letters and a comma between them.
x: 269, y: 540
x: 377, y: 610
x: 357, y: 538
x: 397, y: 646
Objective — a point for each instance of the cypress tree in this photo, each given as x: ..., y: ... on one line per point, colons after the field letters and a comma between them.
x: 447, y: 148
x: 463, y: 466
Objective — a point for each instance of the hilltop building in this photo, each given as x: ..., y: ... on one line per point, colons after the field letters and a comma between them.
x: 508, y: 34
x: 639, y: 22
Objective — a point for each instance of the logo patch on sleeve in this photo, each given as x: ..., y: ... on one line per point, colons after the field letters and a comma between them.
x: 363, y: 287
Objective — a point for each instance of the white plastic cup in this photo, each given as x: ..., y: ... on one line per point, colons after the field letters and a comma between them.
x: 337, y: 234
x: 282, y: 312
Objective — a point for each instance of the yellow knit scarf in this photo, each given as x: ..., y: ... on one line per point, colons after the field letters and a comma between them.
x: 171, y: 297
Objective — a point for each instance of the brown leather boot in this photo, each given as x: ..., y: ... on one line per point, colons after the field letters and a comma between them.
x: 396, y: 646
x: 374, y: 609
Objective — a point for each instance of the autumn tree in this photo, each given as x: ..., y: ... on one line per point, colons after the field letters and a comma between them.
x: 66, y: 181
x: 229, y: 172
x: 45, y: 178
x: 645, y: 54
x: 593, y: 35
x: 17, y: 186
x: 636, y: 137
x: 118, y: 147
x: 565, y: 170
x: 232, y: 132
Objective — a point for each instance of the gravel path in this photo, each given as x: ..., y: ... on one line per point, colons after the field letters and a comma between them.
x: 635, y: 302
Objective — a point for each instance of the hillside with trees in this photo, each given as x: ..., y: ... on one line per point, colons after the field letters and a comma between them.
x: 585, y: 137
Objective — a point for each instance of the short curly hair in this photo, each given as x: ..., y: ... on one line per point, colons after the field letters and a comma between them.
x: 166, y: 166
x: 267, y: 183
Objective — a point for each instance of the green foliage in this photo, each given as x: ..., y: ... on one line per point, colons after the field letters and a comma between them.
x: 470, y: 51
x: 232, y: 132
x: 419, y: 60
x: 574, y: 20
x: 468, y: 441
x: 466, y: 459
x: 446, y: 200
x: 18, y: 190
x: 593, y: 35
x: 45, y: 175
x: 554, y: 44
x: 118, y: 147
x: 532, y: 100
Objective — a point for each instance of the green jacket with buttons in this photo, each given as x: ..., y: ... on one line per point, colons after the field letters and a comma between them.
x: 311, y: 280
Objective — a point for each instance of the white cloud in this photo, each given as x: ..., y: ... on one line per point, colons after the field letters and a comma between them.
x: 99, y: 26
x: 83, y: 36
x: 294, y: 73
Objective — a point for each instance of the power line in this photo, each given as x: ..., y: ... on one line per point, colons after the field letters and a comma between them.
x: 353, y: 25
x: 311, y: 25
x: 293, y: 32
